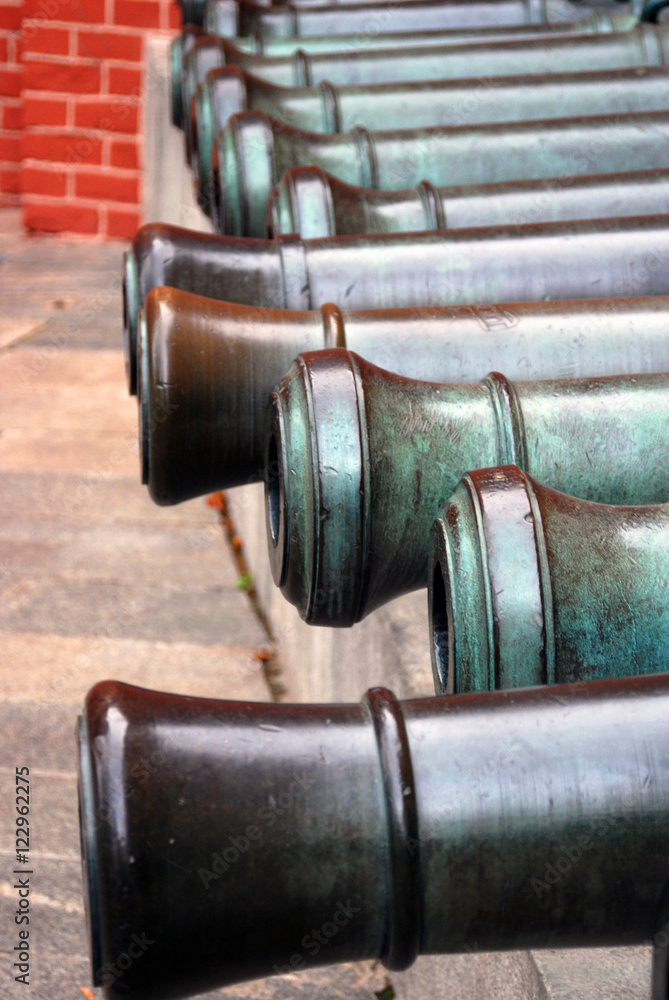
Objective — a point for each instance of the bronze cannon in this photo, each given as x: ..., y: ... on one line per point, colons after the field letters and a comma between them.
x: 568, y: 260
x: 180, y: 46
x: 225, y: 841
x: 416, y: 104
x: 360, y: 461
x: 252, y: 152
x: 207, y: 368
x: 192, y: 11
x: 531, y: 586
x: 412, y: 59
x: 314, y: 204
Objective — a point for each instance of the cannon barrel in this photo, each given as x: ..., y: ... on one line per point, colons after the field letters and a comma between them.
x: 226, y: 841
x: 360, y: 461
x: 326, y: 107
x: 644, y: 45
x: 531, y: 586
x: 189, y: 71
x: 180, y: 46
x: 253, y: 151
x: 374, y: 35
x: 315, y: 17
x: 314, y: 204
x: 412, y: 59
x: 593, y: 259
x: 208, y: 368
x: 306, y: 17
x: 192, y: 11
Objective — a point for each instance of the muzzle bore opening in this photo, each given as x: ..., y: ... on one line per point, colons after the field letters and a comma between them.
x: 191, y: 133
x: 89, y: 820
x: 274, y: 490
x: 441, y: 630
x: 129, y: 342
x: 143, y: 398
x: 215, y: 196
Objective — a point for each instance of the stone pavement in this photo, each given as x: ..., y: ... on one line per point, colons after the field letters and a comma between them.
x: 95, y: 582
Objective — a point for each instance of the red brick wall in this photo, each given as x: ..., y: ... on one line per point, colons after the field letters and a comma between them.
x: 78, y: 107
x: 10, y: 102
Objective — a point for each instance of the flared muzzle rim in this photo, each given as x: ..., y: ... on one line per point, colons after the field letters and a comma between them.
x: 143, y: 399
x: 277, y: 515
x: 131, y: 306
x: 89, y: 855
x: 440, y: 612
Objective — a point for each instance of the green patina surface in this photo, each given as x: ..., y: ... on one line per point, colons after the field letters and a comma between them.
x: 532, y: 586
x: 254, y: 151
x: 399, y: 447
x: 314, y: 204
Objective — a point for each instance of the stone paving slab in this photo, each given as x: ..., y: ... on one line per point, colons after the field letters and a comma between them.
x: 99, y: 453
x: 38, y: 391
x: 69, y: 289
x: 63, y: 668
x: 150, y: 555
x: 40, y: 736
x: 591, y: 973
x: 103, y: 609
x: 568, y: 974
x: 97, y: 499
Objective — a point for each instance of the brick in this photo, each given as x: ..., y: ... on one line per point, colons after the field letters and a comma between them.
x: 137, y: 13
x: 107, y: 114
x: 81, y: 11
x: 11, y: 16
x: 10, y: 82
x: 37, y: 37
x: 43, y: 180
x: 124, y: 80
x: 175, y: 17
x: 59, y: 217
x: 10, y: 147
x: 4, y: 49
x: 110, y: 45
x: 10, y: 178
x: 11, y: 117
x: 14, y: 48
x: 61, y: 77
x: 122, y: 224
x: 107, y: 186
x: 61, y: 147
x: 124, y: 153
x: 43, y: 111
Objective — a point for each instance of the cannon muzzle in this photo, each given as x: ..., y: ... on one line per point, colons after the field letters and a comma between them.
x: 326, y: 107
x: 207, y: 368
x: 228, y: 841
x: 596, y: 258
x: 531, y: 586
x: 253, y: 151
x: 360, y: 461
x: 314, y: 204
